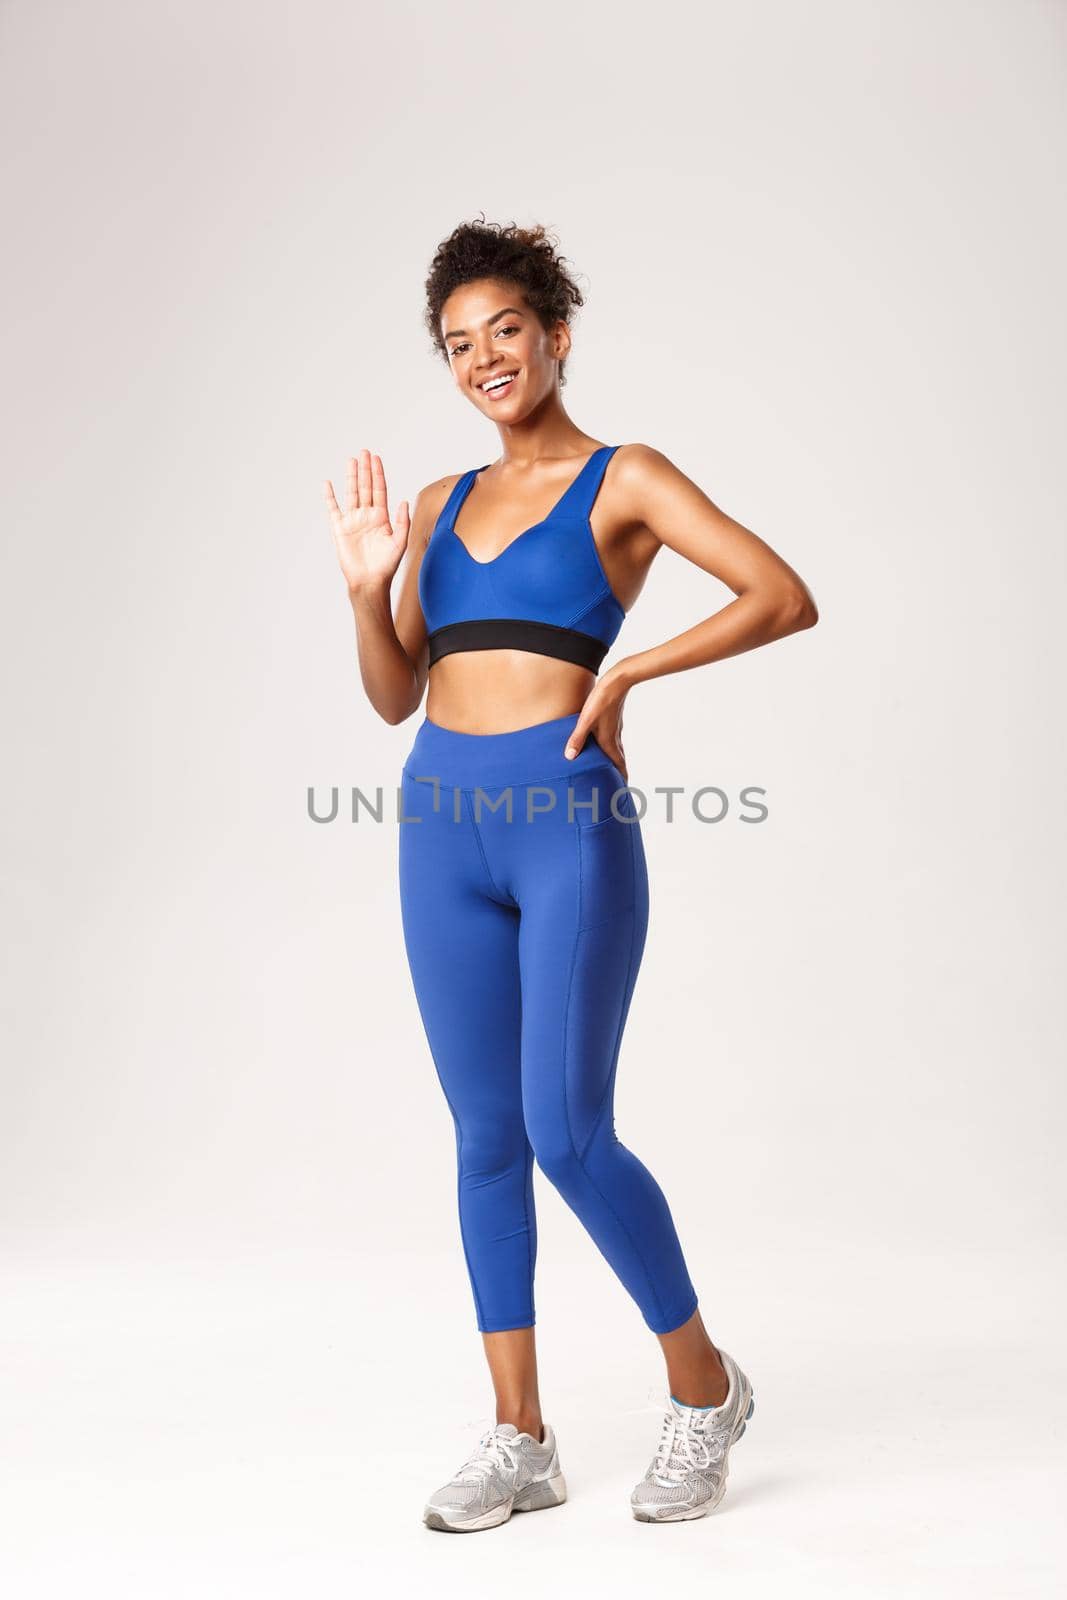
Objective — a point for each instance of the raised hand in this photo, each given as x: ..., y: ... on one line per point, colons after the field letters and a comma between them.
x: 368, y: 547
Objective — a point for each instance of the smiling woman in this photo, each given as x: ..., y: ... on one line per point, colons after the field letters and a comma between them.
x: 525, y: 928
x: 525, y: 257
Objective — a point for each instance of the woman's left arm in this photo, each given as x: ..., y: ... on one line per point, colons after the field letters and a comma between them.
x: 772, y: 600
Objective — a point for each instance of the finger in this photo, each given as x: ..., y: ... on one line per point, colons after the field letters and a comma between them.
x: 331, y: 500
x: 402, y: 526
x: 366, y: 493
x: 379, y: 497
x: 577, y: 738
x: 616, y: 752
x: 352, y: 485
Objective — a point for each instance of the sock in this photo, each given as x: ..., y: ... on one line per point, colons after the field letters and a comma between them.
x: 678, y: 1402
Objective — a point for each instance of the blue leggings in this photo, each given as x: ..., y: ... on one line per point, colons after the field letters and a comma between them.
x: 523, y: 936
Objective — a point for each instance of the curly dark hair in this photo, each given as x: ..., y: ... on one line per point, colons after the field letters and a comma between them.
x: 527, y: 257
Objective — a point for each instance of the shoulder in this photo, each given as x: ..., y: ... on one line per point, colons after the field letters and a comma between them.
x: 640, y: 470
x: 430, y: 501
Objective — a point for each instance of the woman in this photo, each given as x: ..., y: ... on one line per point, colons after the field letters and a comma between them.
x: 524, y: 892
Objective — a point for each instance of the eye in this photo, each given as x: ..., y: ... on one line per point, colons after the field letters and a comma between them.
x: 510, y: 327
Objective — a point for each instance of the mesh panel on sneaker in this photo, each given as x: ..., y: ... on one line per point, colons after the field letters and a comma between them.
x: 460, y: 1495
x: 663, y: 1494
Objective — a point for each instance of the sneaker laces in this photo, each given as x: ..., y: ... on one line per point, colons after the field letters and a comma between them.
x: 683, y: 1449
x: 493, y: 1451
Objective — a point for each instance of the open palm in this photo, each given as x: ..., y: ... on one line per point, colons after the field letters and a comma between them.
x: 368, y: 547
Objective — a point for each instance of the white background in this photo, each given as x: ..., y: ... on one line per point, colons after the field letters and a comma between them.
x: 823, y: 253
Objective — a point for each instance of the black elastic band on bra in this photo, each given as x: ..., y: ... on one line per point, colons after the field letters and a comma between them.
x: 516, y: 633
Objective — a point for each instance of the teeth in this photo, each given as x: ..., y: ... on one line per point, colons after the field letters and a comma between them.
x: 494, y: 383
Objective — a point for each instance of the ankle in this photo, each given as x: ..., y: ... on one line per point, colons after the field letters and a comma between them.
x: 526, y: 1421
x: 706, y: 1386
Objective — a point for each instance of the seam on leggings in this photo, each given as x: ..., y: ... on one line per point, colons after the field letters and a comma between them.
x: 567, y: 1002
x: 615, y: 1049
x: 481, y: 848
x: 566, y: 1110
x: 526, y: 1214
x: 459, y: 1189
x: 527, y: 782
x: 622, y: 1009
x: 462, y: 1230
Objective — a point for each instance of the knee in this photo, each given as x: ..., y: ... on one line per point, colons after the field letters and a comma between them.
x: 491, y: 1150
x: 555, y: 1154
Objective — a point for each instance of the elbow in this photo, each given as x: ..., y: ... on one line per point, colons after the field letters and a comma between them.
x: 395, y: 715
x: 399, y: 711
x: 402, y: 703
x: 799, y: 610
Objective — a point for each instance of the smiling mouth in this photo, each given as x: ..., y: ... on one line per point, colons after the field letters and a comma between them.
x: 499, y: 385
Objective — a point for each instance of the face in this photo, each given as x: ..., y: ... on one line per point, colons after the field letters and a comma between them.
x: 491, y: 334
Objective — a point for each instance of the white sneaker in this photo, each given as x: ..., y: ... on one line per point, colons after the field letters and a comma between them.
x: 506, y: 1471
x: 687, y: 1475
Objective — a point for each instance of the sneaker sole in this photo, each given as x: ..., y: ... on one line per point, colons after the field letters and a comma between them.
x: 537, y: 1496
x: 653, y: 1513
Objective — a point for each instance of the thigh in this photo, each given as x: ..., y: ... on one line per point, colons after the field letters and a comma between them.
x: 582, y: 937
x: 462, y: 945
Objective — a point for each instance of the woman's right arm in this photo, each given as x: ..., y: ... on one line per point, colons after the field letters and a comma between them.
x: 392, y: 654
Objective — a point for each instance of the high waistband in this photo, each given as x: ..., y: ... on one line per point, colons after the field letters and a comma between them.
x: 492, y: 760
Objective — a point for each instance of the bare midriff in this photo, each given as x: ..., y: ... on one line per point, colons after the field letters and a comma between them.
x: 499, y: 691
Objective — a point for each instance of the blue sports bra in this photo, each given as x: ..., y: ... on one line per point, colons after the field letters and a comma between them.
x: 546, y: 591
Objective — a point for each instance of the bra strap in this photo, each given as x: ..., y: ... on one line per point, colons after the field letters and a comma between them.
x: 578, y: 500
x: 460, y: 489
